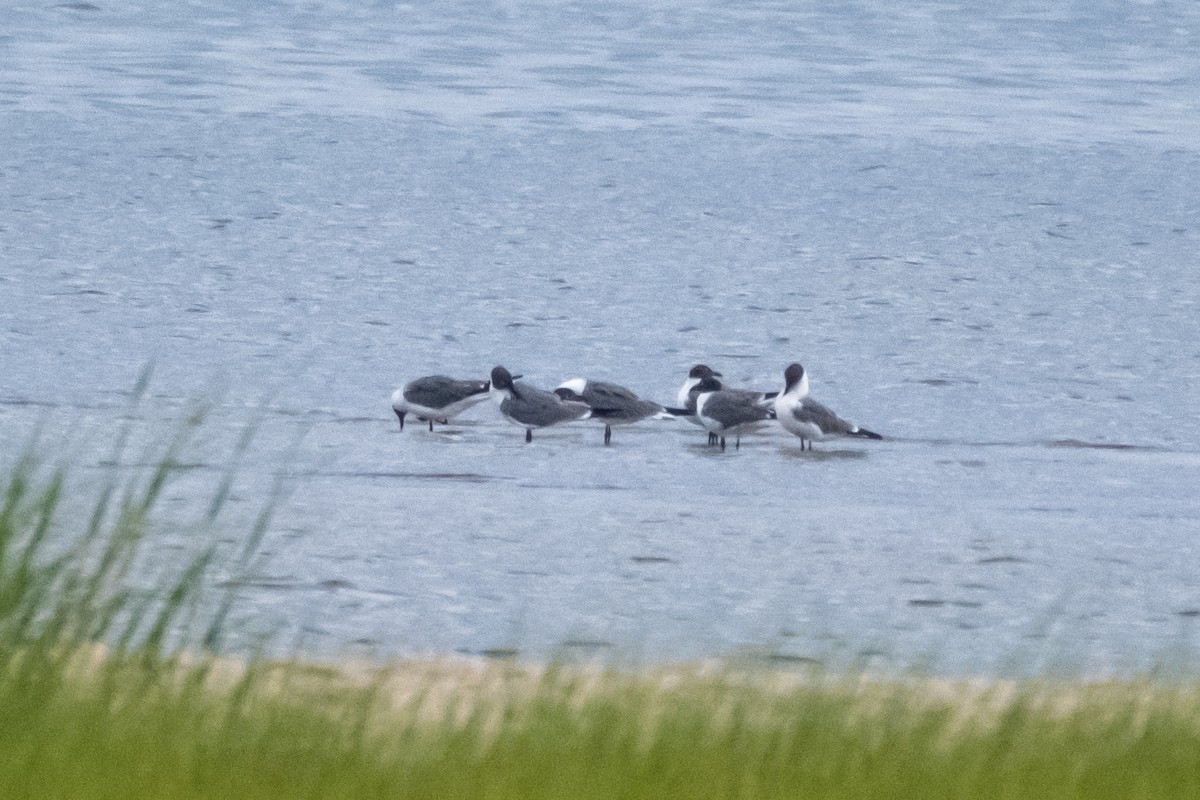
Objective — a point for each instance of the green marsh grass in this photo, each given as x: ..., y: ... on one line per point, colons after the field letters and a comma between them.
x: 111, y: 691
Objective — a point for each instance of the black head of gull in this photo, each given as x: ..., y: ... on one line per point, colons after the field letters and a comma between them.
x: 531, y: 407
x: 437, y: 398
x: 687, y: 392
x: 795, y: 380
x: 610, y: 403
x: 802, y: 416
x: 694, y: 376
x: 685, y: 398
x: 728, y: 412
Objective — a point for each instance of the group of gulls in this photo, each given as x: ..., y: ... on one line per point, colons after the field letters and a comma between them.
x: 703, y: 399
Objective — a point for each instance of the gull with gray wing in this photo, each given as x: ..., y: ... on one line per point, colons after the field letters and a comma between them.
x: 808, y: 419
x: 728, y: 412
x: 437, y: 398
x: 610, y: 403
x: 529, y: 407
x: 689, y: 391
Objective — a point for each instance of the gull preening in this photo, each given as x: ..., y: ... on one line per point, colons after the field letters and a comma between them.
x: 437, y: 398
x: 610, y: 403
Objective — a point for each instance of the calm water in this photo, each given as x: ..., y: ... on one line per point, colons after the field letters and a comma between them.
x: 977, y: 228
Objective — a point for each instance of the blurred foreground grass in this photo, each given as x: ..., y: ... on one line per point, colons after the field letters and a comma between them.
x: 111, y: 691
x: 102, y: 727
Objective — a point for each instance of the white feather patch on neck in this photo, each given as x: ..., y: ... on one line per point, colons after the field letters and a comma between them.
x: 576, y: 385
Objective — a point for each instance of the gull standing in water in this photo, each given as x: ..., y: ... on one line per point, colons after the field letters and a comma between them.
x: 728, y: 412
x: 522, y: 404
x: 437, y: 398
x: 610, y: 403
x: 688, y: 392
x: 808, y: 419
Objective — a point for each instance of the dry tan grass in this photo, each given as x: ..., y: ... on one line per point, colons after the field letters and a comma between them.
x: 453, y: 690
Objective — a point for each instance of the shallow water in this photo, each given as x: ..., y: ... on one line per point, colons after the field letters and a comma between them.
x: 976, y: 228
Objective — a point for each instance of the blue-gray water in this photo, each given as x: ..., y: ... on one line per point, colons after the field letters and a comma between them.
x: 977, y: 227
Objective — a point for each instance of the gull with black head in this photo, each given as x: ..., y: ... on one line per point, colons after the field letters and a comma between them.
x: 437, y: 398
x: 728, y: 412
x: 808, y: 419
x: 690, y: 390
x: 696, y: 374
x: 529, y: 407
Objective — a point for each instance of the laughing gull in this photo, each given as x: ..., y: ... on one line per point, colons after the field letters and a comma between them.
x: 610, y: 403
x: 807, y: 418
x: 728, y: 412
x: 532, y: 408
x: 702, y: 371
x: 686, y: 397
x: 437, y: 398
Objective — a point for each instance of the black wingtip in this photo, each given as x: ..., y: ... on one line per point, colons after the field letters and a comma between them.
x: 679, y: 412
x: 866, y: 434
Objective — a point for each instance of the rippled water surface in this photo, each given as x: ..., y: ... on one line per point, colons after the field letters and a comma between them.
x: 976, y: 227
